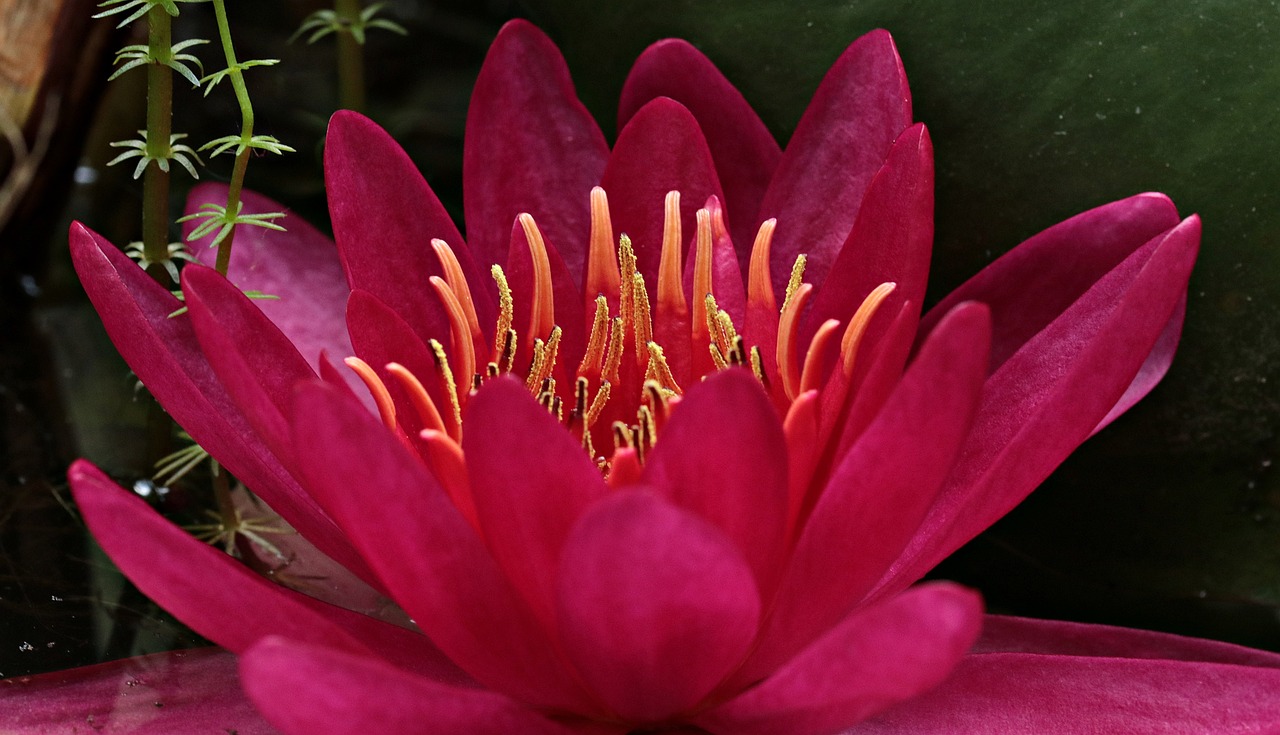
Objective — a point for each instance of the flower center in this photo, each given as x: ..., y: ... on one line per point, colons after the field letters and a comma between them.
x: 625, y: 387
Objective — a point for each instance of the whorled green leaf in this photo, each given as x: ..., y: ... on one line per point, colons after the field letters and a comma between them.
x: 1040, y: 109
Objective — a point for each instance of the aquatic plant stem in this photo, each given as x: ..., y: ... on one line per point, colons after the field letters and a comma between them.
x: 155, y: 183
x: 246, y: 131
x: 350, y: 58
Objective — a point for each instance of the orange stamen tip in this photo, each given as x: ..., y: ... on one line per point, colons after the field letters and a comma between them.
x: 377, y: 389
x: 759, y: 278
x: 858, y: 324
x: 822, y: 339
x: 543, y: 311
x: 670, y: 270
x: 418, y: 396
x: 602, y: 261
x: 788, y: 334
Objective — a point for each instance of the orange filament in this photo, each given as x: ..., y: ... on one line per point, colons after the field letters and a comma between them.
x: 602, y: 262
x: 381, y: 398
x: 457, y: 281
x: 759, y: 281
x: 418, y: 396
x: 449, y: 467
x: 788, y: 335
x: 811, y: 376
x: 542, y: 316
x: 702, y: 286
x: 671, y: 301
x: 858, y: 325
x: 463, y: 343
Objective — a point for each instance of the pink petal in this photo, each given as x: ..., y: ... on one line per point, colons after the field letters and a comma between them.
x: 531, y: 482
x: 166, y: 357
x: 745, y: 153
x: 423, y: 550
x: 860, y: 108
x: 873, y: 659
x: 1048, y: 396
x: 722, y: 457
x: 1005, y: 634
x: 300, y: 265
x: 164, y: 693
x: 1029, y: 694
x: 308, y: 689
x: 384, y: 217
x: 220, y: 598
x: 531, y: 146
x: 660, y: 150
x: 656, y: 605
x: 891, y: 240
x: 881, y: 489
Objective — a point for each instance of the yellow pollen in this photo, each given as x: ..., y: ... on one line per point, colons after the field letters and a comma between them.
x: 659, y: 370
x: 450, y: 387
x: 506, y: 315
x: 643, y: 320
x: 593, y: 357
x: 613, y: 360
x: 457, y: 281
x: 418, y: 396
x: 793, y: 283
x: 597, y: 406
x: 602, y: 261
x: 858, y: 324
x: 544, y: 359
x: 463, y: 343
x: 386, y: 407
x: 626, y: 288
x: 757, y: 367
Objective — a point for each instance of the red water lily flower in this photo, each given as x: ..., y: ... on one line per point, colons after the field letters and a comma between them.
x: 677, y: 462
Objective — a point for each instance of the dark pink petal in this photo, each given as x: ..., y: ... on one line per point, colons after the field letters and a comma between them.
x: 1005, y: 634
x: 1048, y: 396
x: 881, y: 489
x: 165, y: 355
x: 299, y: 265
x: 220, y: 598
x: 873, y: 659
x: 844, y: 137
x: 531, y: 481
x: 891, y: 240
x: 745, y: 153
x: 384, y: 217
x: 161, y: 694
x: 660, y: 150
x: 423, y: 550
x: 656, y: 606
x: 531, y: 146
x: 722, y: 457
x: 305, y: 689
x: 1029, y: 694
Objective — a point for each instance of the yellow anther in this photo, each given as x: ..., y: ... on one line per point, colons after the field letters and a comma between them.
x: 545, y: 355
x: 659, y: 370
x: 642, y: 320
x: 418, y: 396
x: 757, y: 367
x: 593, y: 357
x: 450, y: 387
x: 794, y: 283
x: 381, y: 398
x: 506, y: 316
x: 617, y: 340
x: 507, y: 355
x: 626, y: 289
x: 597, y: 406
x: 858, y: 324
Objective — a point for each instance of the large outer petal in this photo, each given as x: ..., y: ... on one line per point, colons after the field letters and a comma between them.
x: 165, y: 355
x: 873, y: 659
x: 1048, y: 396
x: 161, y: 694
x: 661, y: 149
x: 299, y: 265
x: 1030, y: 694
x: 531, y: 146
x: 222, y: 599
x: 722, y: 456
x: 423, y: 550
x: 306, y: 689
x: 745, y: 153
x: 384, y: 217
x: 531, y: 482
x: 881, y: 489
x: 656, y: 606
x: 860, y: 108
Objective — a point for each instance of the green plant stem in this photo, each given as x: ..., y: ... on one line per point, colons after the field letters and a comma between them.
x: 350, y: 58
x: 246, y: 131
x: 155, y: 182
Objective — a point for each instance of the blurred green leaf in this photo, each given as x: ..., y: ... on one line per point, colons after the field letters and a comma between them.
x: 1038, y: 110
